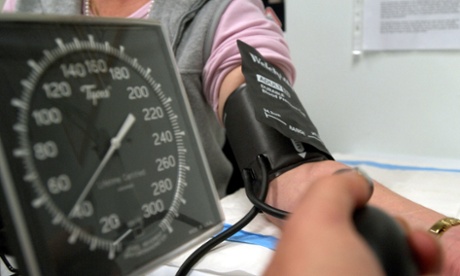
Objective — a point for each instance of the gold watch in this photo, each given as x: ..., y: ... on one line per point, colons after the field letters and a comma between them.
x: 443, y: 225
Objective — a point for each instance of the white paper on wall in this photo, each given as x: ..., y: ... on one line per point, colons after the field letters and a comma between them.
x: 406, y: 25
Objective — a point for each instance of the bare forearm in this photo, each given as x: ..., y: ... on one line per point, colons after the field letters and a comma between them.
x: 399, y: 206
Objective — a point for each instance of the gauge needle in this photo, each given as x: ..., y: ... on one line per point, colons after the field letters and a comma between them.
x: 115, y: 144
x: 122, y: 237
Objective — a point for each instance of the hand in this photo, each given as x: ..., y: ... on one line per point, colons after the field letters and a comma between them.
x: 319, y: 237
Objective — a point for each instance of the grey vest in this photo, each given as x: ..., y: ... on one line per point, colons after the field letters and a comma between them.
x: 190, y: 25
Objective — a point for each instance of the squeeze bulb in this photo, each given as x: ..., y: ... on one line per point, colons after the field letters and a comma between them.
x: 387, y: 239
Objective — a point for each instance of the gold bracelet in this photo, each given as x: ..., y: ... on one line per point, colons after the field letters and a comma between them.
x: 443, y: 225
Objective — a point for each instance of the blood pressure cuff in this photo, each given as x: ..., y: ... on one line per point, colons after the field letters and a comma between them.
x: 265, y: 117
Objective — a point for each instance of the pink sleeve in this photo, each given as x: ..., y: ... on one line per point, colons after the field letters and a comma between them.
x: 9, y: 6
x: 244, y: 20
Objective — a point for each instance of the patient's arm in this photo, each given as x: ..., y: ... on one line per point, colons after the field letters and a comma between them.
x: 287, y: 189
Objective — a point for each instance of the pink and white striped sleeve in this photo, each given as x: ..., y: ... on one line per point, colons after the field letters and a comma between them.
x: 9, y: 6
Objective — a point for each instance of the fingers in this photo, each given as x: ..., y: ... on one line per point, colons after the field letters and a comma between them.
x: 362, y: 189
x: 426, y: 249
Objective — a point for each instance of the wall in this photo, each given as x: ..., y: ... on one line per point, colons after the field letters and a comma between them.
x: 403, y: 103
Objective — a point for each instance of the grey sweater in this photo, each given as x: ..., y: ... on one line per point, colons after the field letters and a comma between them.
x: 190, y: 25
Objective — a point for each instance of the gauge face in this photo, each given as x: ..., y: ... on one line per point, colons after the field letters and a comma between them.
x: 105, y: 147
x: 99, y: 128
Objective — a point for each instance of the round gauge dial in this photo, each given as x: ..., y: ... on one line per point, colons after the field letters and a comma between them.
x: 95, y: 131
x: 101, y: 167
